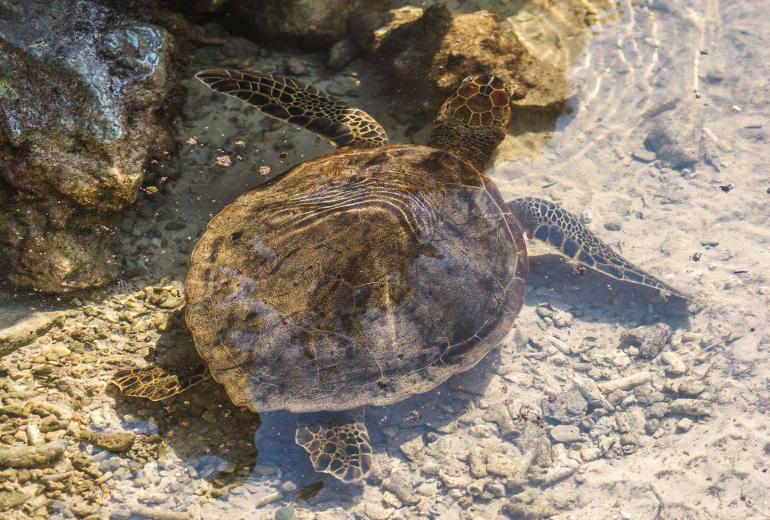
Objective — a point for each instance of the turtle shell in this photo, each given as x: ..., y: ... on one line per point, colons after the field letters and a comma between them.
x: 358, y: 278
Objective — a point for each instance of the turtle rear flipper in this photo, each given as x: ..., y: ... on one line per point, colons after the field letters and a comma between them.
x: 546, y: 221
x: 156, y: 383
x: 299, y: 104
x: 337, y: 445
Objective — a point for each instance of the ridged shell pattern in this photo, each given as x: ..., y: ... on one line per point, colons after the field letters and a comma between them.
x: 357, y: 278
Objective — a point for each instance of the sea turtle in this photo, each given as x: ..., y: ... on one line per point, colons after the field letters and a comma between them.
x: 367, y: 275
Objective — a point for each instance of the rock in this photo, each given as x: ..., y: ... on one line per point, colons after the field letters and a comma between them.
x: 565, y: 408
x: 209, y: 466
x: 499, y: 415
x: 114, y: 442
x: 425, y: 55
x: 19, y: 327
x: 591, y: 392
x: 80, y: 93
x: 657, y: 410
x: 565, y: 433
x: 52, y: 246
x: 477, y: 461
x: 518, y: 509
x: 646, y: 394
x: 650, y: 340
x: 341, y: 54
x: 453, y: 477
x: 83, y: 113
x: 11, y: 499
x: 676, y: 137
x: 502, y: 464
x: 398, y: 484
x: 267, y: 498
x: 690, y: 407
x: 205, y: 6
x: 626, y: 383
x: 590, y: 453
x: 690, y: 388
x: 643, y: 155
x: 676, y: 366
x: 684, y: 425
x: 32, y: 456
x: 413, y: 449
x: 312, y: 24
x: 285, y: 513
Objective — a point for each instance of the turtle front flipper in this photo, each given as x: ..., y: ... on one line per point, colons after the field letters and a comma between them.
x: 338, y: 443
x: 546, y: 221
x: 157, y: 383
x: 303, y: 105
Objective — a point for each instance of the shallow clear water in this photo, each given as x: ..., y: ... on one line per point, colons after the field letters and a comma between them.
x: 660, y: 147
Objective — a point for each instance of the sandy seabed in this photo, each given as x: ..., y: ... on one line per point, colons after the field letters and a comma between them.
x: 662, y: 149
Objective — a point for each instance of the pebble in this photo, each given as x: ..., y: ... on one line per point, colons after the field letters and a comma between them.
x: 477, y: 462
x: 26, y: 330
x: 591, y: 392
x: 34, y: 437
x: 565, y: 433
x: 341, y: 54
x: 399, y: 485
x: 590, y: 453
x: 11, y: 499
x: 643, y: 155
x: 686, y: 387
x: 414, y: 449
x: 684, y: 425
x: 690, y: 407
x: 32, y: 456
x: 158, y: 513
x: 267, y: 499
x: 676, y: 366
x: 650, y: 340
x: 566, y: 407
x: 114, y: 442
x: 626, y: 383
x: 296, y: 67
x: 285, y: 513
x: 502, y: 464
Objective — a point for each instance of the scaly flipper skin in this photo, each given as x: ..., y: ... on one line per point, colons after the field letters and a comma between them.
x: 546, y: 221
x: 342, y: 450
x: 155, y: 383
x: 303, y: 105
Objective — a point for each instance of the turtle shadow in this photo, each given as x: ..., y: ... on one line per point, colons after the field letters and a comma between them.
x: 200, y: 425
x: 595, y: 298
x: 389, y: 427
x: 228, y: 446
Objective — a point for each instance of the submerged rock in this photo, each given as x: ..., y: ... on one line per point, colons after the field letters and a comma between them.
x: 54, y: 246
x: 80, y: 94
x: 78, y: 115
x: 425, y: 54
x: 313, y: 24
x: 20, y: 328
x: 650, y: 340
x: 32, y: 456
x: 11, y: 499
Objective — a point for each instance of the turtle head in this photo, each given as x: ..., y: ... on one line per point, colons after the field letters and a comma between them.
x: 474, y: 119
